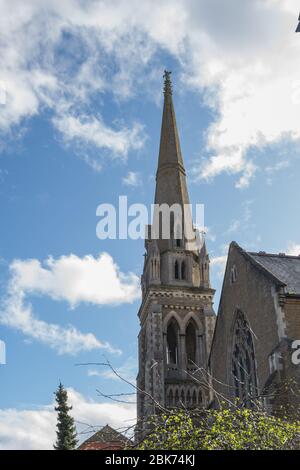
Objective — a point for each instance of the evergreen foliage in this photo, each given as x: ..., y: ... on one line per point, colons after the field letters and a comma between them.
x: 66, y: 430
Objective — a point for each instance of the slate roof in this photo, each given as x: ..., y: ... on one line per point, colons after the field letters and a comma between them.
x: 285, y: 268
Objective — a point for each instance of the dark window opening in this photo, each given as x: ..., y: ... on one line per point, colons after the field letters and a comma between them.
x: 172, y: 338
x: 176, y: 270
x: 183, y: 270
x: 190, y: 339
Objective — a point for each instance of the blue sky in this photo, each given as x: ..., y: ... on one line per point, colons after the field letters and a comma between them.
x: 79, y: 125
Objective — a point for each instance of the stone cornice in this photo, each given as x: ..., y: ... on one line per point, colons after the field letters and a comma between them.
x: 173, y: 297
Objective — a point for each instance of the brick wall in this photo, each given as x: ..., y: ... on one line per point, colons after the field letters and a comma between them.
x: 253, y: 294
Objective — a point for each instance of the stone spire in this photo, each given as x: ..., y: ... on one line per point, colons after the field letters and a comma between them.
x: 176, y: 313
x: 170, y: 177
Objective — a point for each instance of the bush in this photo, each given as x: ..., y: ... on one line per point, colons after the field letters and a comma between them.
x: 234, y: 428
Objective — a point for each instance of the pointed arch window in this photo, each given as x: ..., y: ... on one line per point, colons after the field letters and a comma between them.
x: 243, y: 366
x: 176, y: 269
x: 183, y: 270
x: 172, y: 225
x: 172, y: 343
x: 190, y: 343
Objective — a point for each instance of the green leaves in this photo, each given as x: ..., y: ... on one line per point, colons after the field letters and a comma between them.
x: 232, y: 428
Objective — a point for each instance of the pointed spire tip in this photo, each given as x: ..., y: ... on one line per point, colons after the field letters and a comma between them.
x: 167, y: 83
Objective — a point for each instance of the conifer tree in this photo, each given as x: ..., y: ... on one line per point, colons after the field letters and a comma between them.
x: 66, y: 430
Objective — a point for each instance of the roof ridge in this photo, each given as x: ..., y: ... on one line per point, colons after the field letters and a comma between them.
x: 276, y: 255
x: 106, y: 431
x: 256, y: 263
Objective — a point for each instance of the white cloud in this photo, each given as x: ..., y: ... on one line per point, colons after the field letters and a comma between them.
x: 132, y: 179
x: 16, y: 314
x: 127, y: 371
x: 218, y: 264
x: 207, y: 232
x: 90, y: 130
x: 218, y: 260
x: 58, y: 56
x: 277, y: 166
x: 234, y: 227
x: 245, y: 56
x: 244, y: 53
x: 248, y: 173
x: 27, y: 429
x: 35, y: 428
x: 210, y: 236
x: 243, y: 222
x: 74, y: 280
x: 247, y: 211
x: 293, y: 249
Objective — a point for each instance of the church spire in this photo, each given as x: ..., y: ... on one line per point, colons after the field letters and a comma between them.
x: 176, y: 314
x: 167, y: 83
x: 170, y: 177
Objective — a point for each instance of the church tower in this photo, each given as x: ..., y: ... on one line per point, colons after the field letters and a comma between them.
x: 176, y: 315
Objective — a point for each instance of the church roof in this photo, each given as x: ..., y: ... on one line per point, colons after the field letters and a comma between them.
x: 284, y: 267
x: 105, y: 438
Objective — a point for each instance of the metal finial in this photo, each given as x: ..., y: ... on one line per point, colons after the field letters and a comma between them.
x: 167, y: 83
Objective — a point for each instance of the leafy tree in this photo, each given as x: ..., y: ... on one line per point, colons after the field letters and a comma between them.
x: 66, y: 430
x: 234, y: 428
